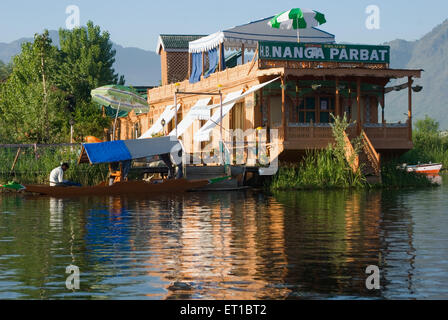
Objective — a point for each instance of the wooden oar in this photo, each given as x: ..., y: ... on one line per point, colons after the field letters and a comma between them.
x: 216, y: 180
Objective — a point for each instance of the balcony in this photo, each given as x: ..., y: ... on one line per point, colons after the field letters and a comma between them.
x: 318, y: 136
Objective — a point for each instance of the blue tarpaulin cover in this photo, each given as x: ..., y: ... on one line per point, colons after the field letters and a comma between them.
x: 106, y: 152
x: 116, y: 151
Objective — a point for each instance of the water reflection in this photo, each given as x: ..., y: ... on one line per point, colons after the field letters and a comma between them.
x: 220, y: 245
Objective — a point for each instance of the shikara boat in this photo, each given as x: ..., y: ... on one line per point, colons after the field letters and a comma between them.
x: 428, y: 169
x: 119, y: 188
x: 117, y: 151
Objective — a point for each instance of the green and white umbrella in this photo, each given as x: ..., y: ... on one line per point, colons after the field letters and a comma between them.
x: 119, y: 101
x: 120, y: 98
x: 297, y: 19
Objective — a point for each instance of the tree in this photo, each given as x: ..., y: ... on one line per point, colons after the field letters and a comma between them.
x: 48, y: 87
x: 427, y: 126
x: 29, y: 98
x: 88, y: 60
x: 5, y: 70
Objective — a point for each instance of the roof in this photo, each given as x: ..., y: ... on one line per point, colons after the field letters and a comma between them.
x: 342, y: 72
x: 115, y: 151
x: 175, y: 42
x: 255, y: 31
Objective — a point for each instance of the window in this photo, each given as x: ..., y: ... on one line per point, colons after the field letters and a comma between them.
x: 326, y: 107
x: 307, y: 110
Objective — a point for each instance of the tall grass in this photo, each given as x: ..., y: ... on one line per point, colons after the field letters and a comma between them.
x: 34, y: 167
x: 322, y: 169
x: 329, y: 168
x: 319, y: 169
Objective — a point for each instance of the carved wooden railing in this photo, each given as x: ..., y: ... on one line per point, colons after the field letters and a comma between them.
x: 384, y: 132
x: 238, y: 74
x: 309, y: 131
x: 372, y: 155
x: 350, y: 154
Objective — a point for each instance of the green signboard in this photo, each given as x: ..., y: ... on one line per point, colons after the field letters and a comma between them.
x: 292, y: 51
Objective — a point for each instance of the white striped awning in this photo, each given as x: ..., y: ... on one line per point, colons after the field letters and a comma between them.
x: 231, y: 99
x: 250, y: 33
x: 167, y: 115
x: 191, y: 116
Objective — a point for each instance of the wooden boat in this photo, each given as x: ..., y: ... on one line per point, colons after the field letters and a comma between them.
x: 118, y: 151
x: 120, y: 188
x: 428, y: 169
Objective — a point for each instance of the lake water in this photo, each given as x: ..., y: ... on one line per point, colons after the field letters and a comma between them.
x: 227, y: 245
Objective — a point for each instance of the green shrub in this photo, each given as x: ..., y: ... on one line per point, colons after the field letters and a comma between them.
x: 34, y: 167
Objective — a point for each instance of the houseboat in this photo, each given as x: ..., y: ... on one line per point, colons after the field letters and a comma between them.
x: 255, y: 77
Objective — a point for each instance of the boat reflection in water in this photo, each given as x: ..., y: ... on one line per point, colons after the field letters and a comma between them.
x: 436, y: 179
x: 238, y: 245
x: 234, y: 245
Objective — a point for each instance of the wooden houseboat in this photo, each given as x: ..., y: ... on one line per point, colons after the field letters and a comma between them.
x: 292, y: 86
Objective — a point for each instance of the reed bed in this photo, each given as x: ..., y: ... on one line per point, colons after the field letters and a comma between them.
x: 34, y: 166
x: 319, y: 169
x: 329, y: 168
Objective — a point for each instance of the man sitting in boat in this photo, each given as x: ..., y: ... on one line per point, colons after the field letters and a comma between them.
x: 57, y: 177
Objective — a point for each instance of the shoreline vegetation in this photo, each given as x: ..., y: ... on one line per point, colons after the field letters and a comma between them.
x: 328, y: 168
x: 318, y: 170
x: 45, y: 90
x: 44, y: 94
x: 34, y: 166
x: 47, y: 87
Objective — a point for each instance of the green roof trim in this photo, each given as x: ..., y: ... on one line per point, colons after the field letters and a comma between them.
x: 176, y: 41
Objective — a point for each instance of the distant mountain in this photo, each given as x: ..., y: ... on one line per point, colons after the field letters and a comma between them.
x: 140, y: 67
x: 429, y: 53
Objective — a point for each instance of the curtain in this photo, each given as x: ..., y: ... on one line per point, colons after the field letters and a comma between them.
x: 212, y: 62
x: 196, y: 68
x: 223, y: 58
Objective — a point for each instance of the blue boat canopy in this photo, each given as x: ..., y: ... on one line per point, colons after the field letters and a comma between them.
x: 122, y: 150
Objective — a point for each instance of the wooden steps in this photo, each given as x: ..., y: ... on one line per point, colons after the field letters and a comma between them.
x: 368, y: 160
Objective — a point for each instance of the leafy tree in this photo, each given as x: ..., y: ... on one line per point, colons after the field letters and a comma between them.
x: 427, y: 126
x: 88, y: 60
x: 5, y: 70
x: 89, y: 121
x: 48, y: 87
x: 29, y: 99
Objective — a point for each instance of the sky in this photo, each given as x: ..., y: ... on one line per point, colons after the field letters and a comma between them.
x: 137, y: 23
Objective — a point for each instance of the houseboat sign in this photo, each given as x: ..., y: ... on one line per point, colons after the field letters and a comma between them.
x: 292, y: 51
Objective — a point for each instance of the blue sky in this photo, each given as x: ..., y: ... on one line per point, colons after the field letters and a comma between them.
x: 137, y: 23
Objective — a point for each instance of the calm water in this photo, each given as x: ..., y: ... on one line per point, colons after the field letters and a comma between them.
x: 235, y: 245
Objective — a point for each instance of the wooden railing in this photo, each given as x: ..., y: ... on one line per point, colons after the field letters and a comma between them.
x: 230, y: 76
x: 350, y: 154
x: 387, y: 132
x: 389, y: 136
x: 372, y: 155
x: 306, y: 136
